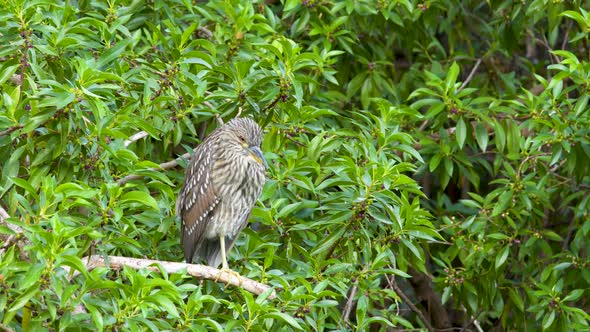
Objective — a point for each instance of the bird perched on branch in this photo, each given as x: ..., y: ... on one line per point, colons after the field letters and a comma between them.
x: 222, y: 182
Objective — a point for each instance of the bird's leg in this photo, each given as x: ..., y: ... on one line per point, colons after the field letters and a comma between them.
x: 224, y: 260
x: 225, y: 266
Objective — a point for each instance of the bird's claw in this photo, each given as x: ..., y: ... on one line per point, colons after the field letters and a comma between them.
x: 230, y: 272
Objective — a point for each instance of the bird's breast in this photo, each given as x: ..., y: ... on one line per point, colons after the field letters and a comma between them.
x: 238, y: 184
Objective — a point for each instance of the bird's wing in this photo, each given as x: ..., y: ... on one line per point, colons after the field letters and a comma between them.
x: 197, y: 199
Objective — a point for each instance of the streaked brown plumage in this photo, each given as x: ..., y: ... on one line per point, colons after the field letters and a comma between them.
x: 222, y: 182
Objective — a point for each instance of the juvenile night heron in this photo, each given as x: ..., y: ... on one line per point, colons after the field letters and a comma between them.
x: 222, y: 182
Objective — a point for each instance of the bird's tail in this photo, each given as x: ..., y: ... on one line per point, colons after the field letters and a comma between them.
x: 210, y: 251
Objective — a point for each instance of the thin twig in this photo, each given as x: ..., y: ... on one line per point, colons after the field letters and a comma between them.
x: 196, y: 270
x: 349, y: 302
x: 527, y: 159
x: 566, y: 35
x: 10, y: 130
x: 294, y: 141
x: 10, y: 240
x: 470, y: 76
x: 393, y: 284
x: 135, y: 137
x: 163, y: 166
x: 545, y: 43
x: 477, y: 326
x: 423, y: 125
x: 5, y: 328
x: 3, y: 215
x: 203, y: 32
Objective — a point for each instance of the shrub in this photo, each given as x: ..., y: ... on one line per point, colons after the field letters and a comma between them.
x: 428, y: 162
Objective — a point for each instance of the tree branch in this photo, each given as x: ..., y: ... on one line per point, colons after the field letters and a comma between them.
x: 11, y: 239
x: 425, y: 294
x: 408, y: 302
x: 10, y: 130
x: 196, y: 270
x: 163, y: 166
x: 349, y: 303
x: 470, y: 76
x: 135, y: 137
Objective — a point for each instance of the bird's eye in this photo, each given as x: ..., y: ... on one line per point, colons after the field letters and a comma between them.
x: 242, y: 139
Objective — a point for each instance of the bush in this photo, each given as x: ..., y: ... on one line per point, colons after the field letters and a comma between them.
x: 428, y: 162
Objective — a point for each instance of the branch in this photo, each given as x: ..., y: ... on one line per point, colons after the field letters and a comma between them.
x: 135, y: 137
x: 10, y: 130
x: 163, y: 166
x: 196, y: 270
x: 470, y: 75
x: 349, y: 303
x: 425, y: 294
x: 407, y: 301
x: 11, y: 239
x: 524, y: 161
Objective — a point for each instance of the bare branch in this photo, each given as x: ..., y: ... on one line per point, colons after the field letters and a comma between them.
x: 476, y: 324
x: 3, y: 215
x: 567, y: 34
x: 11, y: 239
x: 525, y: 160
x: 349, y: 302
x: 196, y: 270
x: 135, y: 137
x: 163, y: 166
x: 5, y: 328
x: 393, y: 284
x: 470, y: 75
x: 10, y: 130
x: 203, y: 32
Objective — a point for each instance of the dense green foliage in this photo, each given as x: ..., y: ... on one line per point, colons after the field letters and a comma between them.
x: 441, y: 144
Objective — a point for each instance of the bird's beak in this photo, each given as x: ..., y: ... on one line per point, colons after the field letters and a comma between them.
x: 256, y: 153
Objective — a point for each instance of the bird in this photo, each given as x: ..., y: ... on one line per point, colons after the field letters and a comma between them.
x: 222, y: 182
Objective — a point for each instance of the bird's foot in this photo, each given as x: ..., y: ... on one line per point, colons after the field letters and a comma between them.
x: 230, y: 273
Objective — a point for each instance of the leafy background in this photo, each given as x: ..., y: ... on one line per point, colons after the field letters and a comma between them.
x: 428, y: 162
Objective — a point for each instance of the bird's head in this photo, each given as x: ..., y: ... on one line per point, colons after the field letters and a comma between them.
x: 248, y: 135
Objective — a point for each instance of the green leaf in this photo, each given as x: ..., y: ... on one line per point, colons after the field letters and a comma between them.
x: 96, y: 316
x: 22, y: 300
x: 290, y: 5
x: 413, y: 249
x: 452, y: 76
x: 165, y: 303
x: 329, y: 241
x: 502, y: 256
x: 548, y: 320
x: 500, y: 135
x: 434, y: 162
x: 516, y: 299
x: 361, y: 308
x: 7, y: 73
x: 446, y: 294
x: 285, y: 318
x: 289, y: 209
x: 140, y: 197
x: 113, y: 53
x: 26, y: 186
x: 504, y: 200
x: 481, y: 135
x: 574, y: 295
x: 461, y: 132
